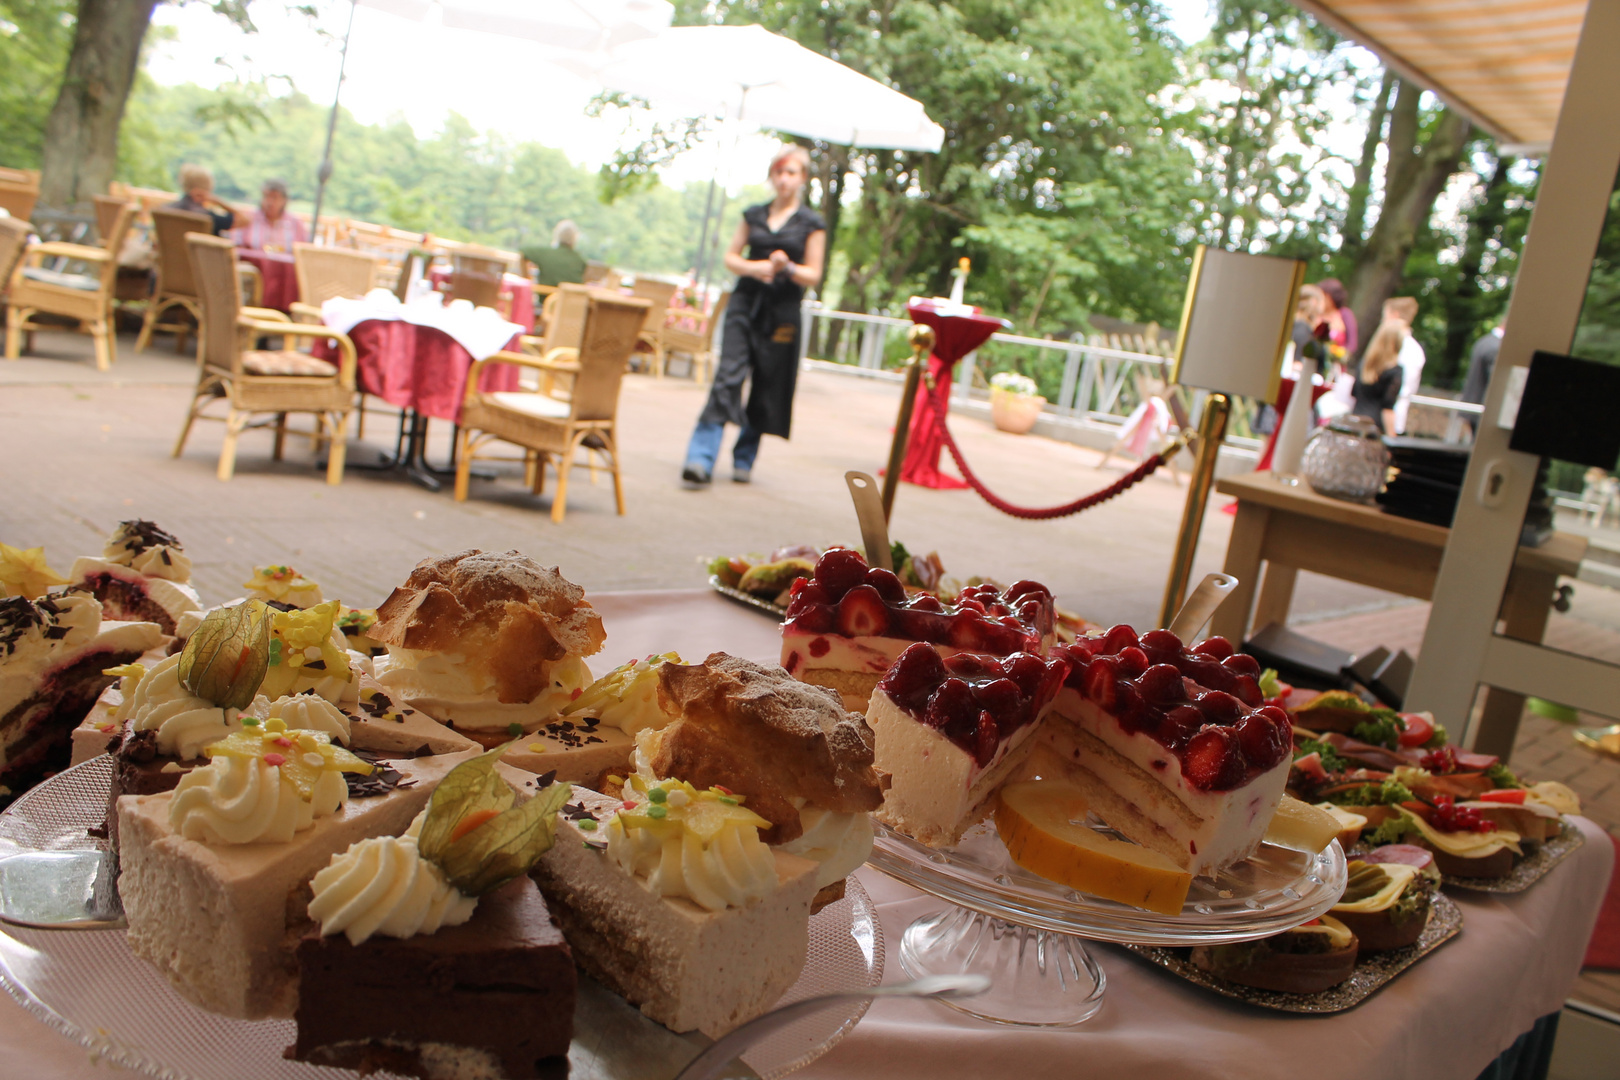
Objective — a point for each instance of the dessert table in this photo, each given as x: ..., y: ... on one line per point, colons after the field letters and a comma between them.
x: 1446, y: 1018
x: 1291, y: 528
x: 279, y: 274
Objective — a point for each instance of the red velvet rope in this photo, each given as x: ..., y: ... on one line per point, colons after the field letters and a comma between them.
x: 1135, y: 476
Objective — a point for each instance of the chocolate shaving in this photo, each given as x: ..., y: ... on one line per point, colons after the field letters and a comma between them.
x: 164, y: 555
x: 315, y: 665
x: 546, y: 779
x: 281, y: 605
x: 383, y: 779
x: 140, y: 535
x: 577, y: 812
x: 56, y: 633
x: 596, y: 845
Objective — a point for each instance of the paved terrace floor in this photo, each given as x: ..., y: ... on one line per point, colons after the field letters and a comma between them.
x: 84, y: 449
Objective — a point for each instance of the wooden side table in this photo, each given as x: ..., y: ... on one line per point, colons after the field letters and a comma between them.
x: 1291, y: 528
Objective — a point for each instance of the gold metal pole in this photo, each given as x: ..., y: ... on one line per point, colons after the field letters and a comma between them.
x: 921, y: 339
x: 1211, y: 431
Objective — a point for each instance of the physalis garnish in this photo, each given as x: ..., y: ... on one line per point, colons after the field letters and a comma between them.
x: 23, y: 572
x: 671, y: 806
x: 476, y: 834
x: 302, y: 756
x: 227, y: 655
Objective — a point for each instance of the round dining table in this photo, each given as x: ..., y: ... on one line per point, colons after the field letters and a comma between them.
x: 279, y: 274
x: 1445, y: 1018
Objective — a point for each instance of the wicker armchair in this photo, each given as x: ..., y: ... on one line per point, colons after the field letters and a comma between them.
x: 697, y: 343
x: 478, y: 277
x: 325, y: 273
x: 254, y: 381
x: 19, y: 191
x: 659, y: 293
x: 175, y: 287
x: 544, y: 426
x: 564, y: 314
x: 13, y: 242
x: 86, y: 297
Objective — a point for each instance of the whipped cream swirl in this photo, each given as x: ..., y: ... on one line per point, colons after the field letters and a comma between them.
x: 238, y: 800
x: 184, y: 722
x: 384, y: 886
x: 839, y: 842
x: 734, y: 869
x: 310, y: 712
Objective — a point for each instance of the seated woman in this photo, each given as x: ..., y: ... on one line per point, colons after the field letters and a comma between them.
x: 1376, y: 391
x: 197, y: 196
x: 271, y: 228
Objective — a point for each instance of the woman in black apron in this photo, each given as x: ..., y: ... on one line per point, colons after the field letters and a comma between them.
x: 787, y: 244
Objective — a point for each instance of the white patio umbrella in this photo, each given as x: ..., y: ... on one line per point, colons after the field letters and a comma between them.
x: 764, y: 80
x: 756, y: 79
x: 561, y: 26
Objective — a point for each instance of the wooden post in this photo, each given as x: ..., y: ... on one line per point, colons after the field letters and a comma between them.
x: 1211, y: 432
x: 921, y: 338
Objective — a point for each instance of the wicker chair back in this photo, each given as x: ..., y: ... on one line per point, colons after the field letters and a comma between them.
x: 611, y: 326
x: 328, y: 273
x: 213, y: 266
x: 171, y: 228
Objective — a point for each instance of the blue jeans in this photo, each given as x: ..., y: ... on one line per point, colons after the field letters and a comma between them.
x: 704, y: 449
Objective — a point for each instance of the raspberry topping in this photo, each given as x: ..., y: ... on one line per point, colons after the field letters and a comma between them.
x: 1203, y: 704
x: 1447, y: 816
x: 856, y: 600
x: 977, y: 702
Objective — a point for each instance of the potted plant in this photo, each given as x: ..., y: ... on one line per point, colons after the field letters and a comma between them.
x: 1014, y: 403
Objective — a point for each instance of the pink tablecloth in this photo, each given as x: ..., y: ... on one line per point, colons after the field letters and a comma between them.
x: 417, y: 367
x: 516, y: 290
x: 1444, y: 1019
x: 280, y: 276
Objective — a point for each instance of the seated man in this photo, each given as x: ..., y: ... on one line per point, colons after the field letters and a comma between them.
x: 197, y: 196
x: 271, y: 228
x: 560, y: 262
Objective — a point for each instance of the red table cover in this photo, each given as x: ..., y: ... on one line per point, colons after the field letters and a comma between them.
x: 516, y: 290
x: 955, y: 335
x: 280, y: 276
x: 417, y: 367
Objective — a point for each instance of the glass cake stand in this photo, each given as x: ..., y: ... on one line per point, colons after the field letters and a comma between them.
x: 1027, y: 933
x: 89, y: 987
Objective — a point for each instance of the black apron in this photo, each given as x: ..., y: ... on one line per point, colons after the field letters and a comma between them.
x: 762, y: 327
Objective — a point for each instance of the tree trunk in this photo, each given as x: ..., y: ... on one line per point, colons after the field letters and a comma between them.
x: 1355, y: 214
x: 81, y: 134
x: 1413, y: 180
x: 1485, y: 221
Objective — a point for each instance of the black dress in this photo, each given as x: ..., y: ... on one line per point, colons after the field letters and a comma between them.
x: 762, y: 327
x: 1372, y: 398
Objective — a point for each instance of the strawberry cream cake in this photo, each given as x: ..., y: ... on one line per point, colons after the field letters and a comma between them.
x: 848, y: 624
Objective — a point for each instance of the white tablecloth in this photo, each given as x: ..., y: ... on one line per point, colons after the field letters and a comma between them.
x: 479, y: 330
x: 1445, y: 1018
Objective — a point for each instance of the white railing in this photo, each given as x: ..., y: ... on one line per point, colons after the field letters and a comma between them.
x: 1094, y: 383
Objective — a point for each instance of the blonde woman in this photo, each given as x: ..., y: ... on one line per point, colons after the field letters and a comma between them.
x: 197, y: 196
x: 787, y: 243
x: 1379, y: 385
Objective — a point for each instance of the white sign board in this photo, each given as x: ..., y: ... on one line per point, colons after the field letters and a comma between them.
x: 1237, y: 321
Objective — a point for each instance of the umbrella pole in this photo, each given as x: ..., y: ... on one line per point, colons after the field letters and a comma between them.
x: 324, y: 174
x: 700, y: 263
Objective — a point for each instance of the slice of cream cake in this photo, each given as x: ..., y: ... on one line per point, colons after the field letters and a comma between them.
x: 671, y: 899
x: 950, y: 730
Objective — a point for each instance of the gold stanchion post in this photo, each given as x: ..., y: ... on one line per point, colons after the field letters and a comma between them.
x: 1211, y: 431
x: 921, y: 339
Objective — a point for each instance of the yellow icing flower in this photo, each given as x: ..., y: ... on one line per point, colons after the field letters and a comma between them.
x: 300, y: 755
x: 299, y: 639
x: 282, y: 584
x: 23, y: 573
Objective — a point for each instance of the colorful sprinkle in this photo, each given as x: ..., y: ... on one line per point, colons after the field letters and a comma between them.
x: 657, y: 812
x: 274, y: 760
x: 514, y: 729
x: 588, y: 825
x: 658, y: 795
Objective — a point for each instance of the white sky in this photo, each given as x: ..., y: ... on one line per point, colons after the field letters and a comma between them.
x: 425, y: 72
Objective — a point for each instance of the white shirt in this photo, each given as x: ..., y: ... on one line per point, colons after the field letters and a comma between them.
x: 1411, y: 359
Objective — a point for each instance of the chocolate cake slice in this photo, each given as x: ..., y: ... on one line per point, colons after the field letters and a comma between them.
x: 53, y: 654
x: 491, y: 997
x: 143, y: 575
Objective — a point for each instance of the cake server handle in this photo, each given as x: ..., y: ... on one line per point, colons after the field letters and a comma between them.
x: 874, y: 525
x: 709, y: 1064
x: 1201, y: 605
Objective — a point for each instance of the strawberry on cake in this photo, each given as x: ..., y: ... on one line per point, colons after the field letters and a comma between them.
x: 1172, y: 747
x: 846, y: 625
x: 950, y: 730
x: 143, y: 575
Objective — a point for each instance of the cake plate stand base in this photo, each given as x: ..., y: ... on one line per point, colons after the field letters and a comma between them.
x: 1038, y: 978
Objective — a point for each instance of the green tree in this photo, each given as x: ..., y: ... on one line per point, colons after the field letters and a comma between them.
x: 35, y: 36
